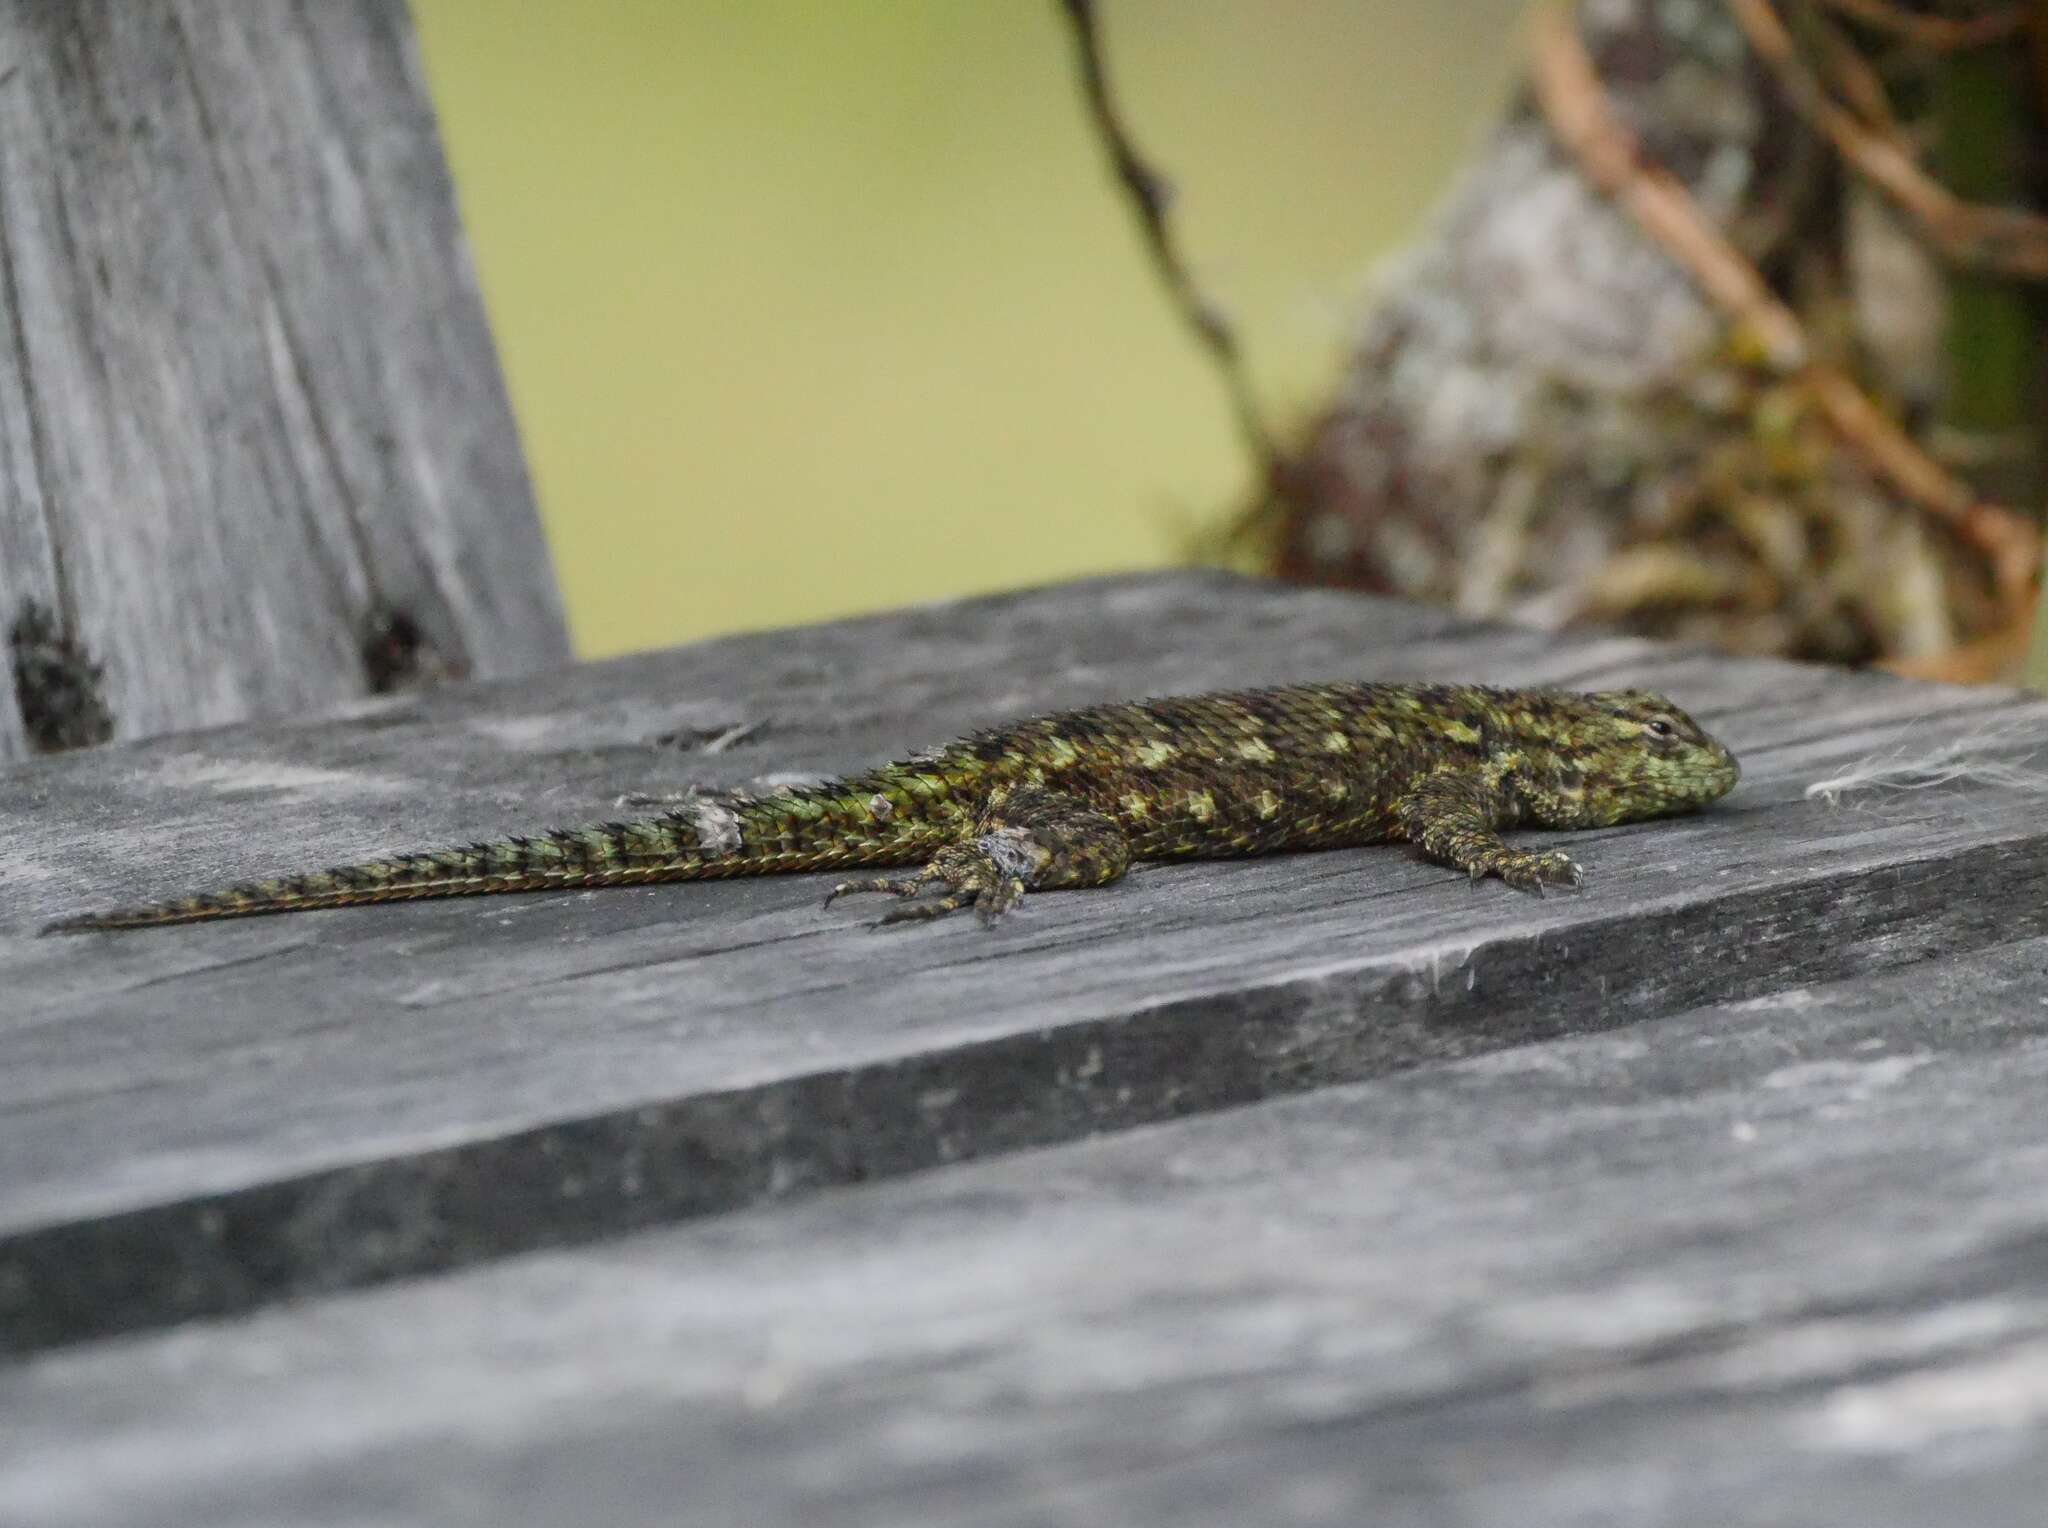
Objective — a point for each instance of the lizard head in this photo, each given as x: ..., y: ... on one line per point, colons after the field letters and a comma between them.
x: 1621, y: 755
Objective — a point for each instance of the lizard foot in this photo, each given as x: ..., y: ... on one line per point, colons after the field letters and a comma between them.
x: 895, y: 886
x: 973, y: 875
x: 1027, y: 841
x: 991, y: 902
x: 1532, y: 872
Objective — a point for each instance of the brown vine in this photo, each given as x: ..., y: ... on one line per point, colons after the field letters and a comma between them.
x: 1575, y: 104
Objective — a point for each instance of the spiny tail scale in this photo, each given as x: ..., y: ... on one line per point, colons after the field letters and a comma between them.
x: 852, y: 822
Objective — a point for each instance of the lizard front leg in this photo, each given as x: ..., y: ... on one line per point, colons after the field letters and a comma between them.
x: 1455, y: 817
x: 1032, y: 840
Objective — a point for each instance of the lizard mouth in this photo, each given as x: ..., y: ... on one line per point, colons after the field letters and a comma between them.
x: 1721, y: 778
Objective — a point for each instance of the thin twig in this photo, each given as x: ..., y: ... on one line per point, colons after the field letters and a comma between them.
x: 1151, y: 195
x: 1575, y: 103
x: 2001, y: 240
x: 1935, y: 34
x: 1852, y: 73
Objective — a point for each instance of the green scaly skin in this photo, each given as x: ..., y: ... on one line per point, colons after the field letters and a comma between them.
x: 1073, y: 799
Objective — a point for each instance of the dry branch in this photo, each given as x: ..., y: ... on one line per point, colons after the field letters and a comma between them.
x: 1934, y: 34
x: 1576, y: 106
x: 2001, y: 240
x: 1151, y: 195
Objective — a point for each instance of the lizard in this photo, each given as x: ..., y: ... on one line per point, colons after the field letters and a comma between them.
x: 1073, y: 798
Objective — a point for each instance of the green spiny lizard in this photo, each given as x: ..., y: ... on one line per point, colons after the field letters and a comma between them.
x: 1072, y: 799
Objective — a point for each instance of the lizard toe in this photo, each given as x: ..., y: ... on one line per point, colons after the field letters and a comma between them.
x: 920, y: 912
x: 900, y: 886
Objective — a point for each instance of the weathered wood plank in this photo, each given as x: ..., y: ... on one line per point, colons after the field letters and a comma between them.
x: 200, y: 1119
x: 1776, y: 1262
x: 255, y: 455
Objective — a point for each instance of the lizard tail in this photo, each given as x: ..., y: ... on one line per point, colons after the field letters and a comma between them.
x: 477, y: 870
x: 714, y: 836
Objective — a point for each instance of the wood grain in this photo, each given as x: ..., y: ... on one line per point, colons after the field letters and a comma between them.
x: 253, y: 438
x: 1773, y: 1262
x: 206, y: 1119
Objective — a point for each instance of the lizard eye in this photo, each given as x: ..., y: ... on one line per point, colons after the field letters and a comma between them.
x: 1660, y: 727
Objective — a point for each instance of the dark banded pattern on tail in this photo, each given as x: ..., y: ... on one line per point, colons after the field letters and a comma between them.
x: 712, y: 836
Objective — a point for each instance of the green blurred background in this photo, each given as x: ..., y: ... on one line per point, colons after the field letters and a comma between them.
x: 809, y: 307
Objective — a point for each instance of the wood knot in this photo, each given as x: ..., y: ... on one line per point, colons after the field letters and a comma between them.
x: 56, y: 685
x: 397, y: 655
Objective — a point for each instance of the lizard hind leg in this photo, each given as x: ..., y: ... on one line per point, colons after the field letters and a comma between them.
x: 1030, y: 841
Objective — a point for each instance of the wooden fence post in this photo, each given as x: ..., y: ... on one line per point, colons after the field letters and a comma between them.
x: 256, y: 457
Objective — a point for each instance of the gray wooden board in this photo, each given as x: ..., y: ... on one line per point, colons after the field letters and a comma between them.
x: 249, y: 405
x: 1776, y: 1262
x: 205, y: 1118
